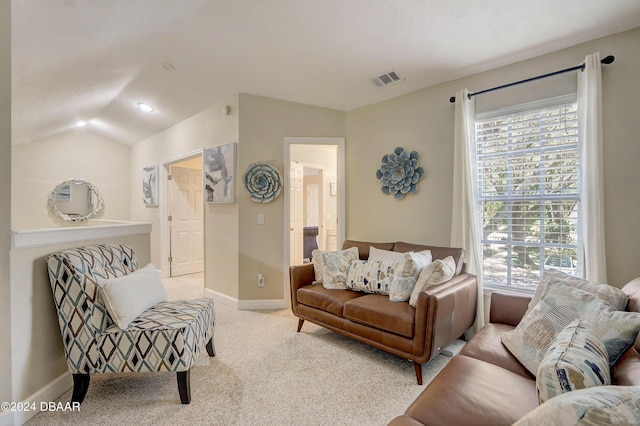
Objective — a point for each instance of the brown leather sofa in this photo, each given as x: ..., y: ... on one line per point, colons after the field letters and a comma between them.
x: 443, y: 312
x: 486, y: 385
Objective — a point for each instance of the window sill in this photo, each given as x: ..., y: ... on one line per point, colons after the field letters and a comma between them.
x: 488, y: 290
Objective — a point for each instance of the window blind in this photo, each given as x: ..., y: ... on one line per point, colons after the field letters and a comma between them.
x: 529, y: 193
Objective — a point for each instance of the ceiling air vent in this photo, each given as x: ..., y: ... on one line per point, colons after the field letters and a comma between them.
x: 387, y: 79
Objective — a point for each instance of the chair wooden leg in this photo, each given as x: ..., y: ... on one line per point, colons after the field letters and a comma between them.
x: 300, y: 322
x: 184, y: 386
x: 80, y: 387
x: 418, y: 367
x: 210, y: 349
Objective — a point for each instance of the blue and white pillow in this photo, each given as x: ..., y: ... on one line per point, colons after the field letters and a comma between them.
x: 577, y: 359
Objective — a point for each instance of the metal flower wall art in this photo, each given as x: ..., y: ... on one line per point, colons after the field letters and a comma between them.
x: 263, y: 182
x: 399, y: 173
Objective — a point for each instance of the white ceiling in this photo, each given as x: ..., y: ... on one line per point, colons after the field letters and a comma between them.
x: 95, y: 60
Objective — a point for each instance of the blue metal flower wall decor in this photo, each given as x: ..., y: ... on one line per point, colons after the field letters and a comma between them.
x: 263, y: 182
x: 399, y: 173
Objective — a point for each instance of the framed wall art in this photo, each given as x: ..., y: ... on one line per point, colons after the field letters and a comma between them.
x: 219, y: 167
x: 150, y: 185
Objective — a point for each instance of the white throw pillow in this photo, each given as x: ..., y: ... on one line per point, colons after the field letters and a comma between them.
x: 128, y: 296
x: 376, y: 254
x: 559, y: 305
x: 437, y: 272
x: 609, y: 294
x: 405, y: 277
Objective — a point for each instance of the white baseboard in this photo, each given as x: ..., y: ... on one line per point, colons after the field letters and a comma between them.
x: 49, y: 393
x: 245, y: 304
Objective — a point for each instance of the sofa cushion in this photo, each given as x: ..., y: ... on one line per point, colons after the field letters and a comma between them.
x: 602, y: 405
x: 469, y: 391
x: 559, y: 305
x: 487, y: 346
x: 316, y: 296
x: 577, y: 359
x: 376, y: 310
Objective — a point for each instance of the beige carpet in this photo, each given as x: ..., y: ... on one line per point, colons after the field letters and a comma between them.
x: 264, y: 373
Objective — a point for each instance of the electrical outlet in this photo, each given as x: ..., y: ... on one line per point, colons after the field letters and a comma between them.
x: 260, y: 280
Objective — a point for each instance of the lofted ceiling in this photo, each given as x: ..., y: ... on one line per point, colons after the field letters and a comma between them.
x: 95, y: 60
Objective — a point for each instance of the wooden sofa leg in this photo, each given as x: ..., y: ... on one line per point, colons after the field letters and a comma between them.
x: 184, y: 386
x: 80, y: 387
x: 418, y: 367
x: 300, y: 322
x: 210, y: 349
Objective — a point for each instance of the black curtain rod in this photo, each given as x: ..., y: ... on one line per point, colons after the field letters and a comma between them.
x: 607, y: 60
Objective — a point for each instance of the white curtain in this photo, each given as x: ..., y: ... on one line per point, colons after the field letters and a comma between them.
x: 464, y: 227
x: 590, y: 135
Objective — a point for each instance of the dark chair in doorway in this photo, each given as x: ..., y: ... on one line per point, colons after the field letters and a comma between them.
x: 168, y: 336
x: 310, y: 241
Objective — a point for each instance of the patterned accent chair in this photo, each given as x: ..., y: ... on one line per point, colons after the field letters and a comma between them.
x: 169, y: 336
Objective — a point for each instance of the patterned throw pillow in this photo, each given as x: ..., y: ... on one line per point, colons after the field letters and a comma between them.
x: 372, y: 276
x: 609, y: 294
x: 318, y: 263
x: 602, y: 405
x: 405, y: 278
x: 438, y: 272
x: 335, y: 267
x: 559, y: 305
x: 577, y: 359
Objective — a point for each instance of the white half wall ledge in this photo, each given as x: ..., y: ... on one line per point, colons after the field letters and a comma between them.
x: 48, y: 393
x: 21, y: 239
x: 246, y: 305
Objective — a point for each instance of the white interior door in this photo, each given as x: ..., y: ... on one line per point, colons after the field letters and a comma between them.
x: 295, y: 214
x: 187, y: 244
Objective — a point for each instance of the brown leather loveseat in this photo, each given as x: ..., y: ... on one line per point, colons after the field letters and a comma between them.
x: 486, y: 385
x: 442, y: 314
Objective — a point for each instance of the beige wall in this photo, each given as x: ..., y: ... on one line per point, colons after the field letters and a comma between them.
x: 206, y: 129
x: 264, y: 123
x: 37, y: 352
x: 423, y: 121
x: 39, y: 166
x: 5, y: 207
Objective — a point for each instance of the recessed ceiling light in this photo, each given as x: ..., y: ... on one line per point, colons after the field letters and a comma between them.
x: 81, y: 123
x: 145, y: 107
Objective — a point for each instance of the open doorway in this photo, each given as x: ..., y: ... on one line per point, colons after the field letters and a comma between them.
x: 314, y: 202
x: 184, y: 224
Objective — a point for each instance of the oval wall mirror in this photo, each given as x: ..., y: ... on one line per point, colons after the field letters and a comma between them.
x: 75, y: 200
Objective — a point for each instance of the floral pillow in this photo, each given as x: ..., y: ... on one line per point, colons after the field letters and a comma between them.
x: 335, y: 266
x: 318, y: 262
x: 577, y: 359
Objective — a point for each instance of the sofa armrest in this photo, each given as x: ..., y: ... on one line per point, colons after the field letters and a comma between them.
x: 508, y: 308
x: 299, y: 276
x: 443, y: 313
